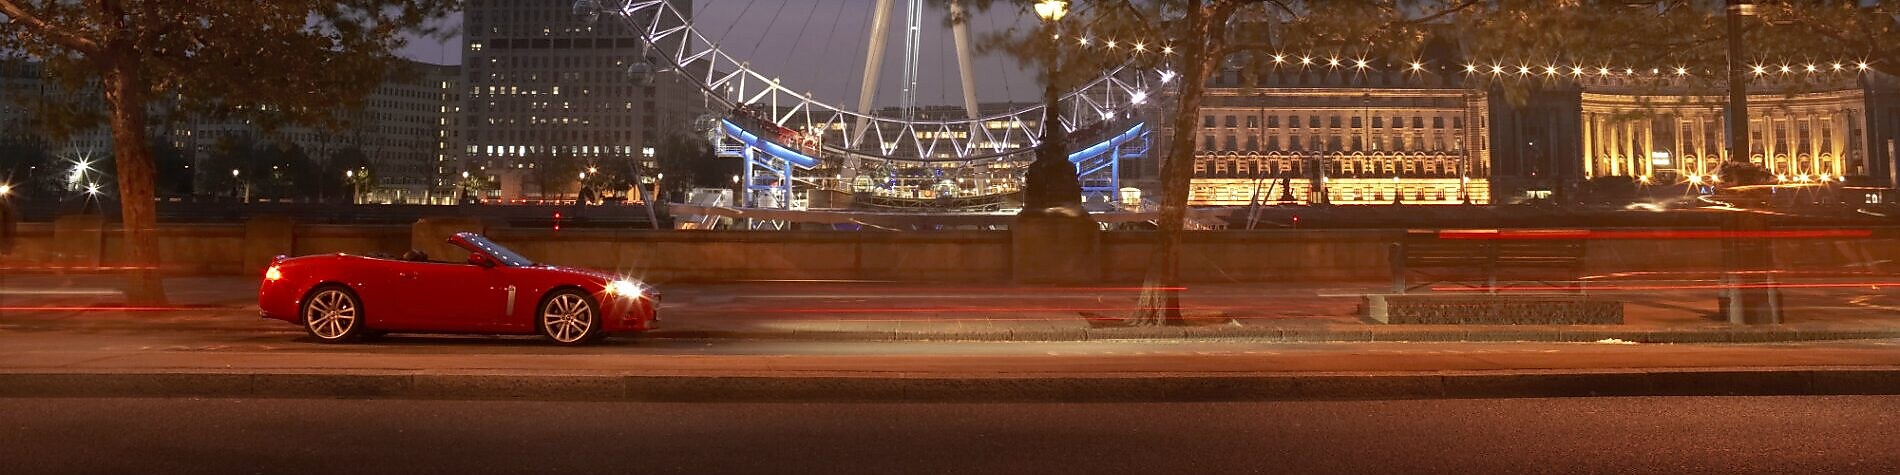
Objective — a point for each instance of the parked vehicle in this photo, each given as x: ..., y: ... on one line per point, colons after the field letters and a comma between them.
x: 342, y: 297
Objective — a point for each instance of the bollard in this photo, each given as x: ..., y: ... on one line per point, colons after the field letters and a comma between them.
x: 1396, y: 253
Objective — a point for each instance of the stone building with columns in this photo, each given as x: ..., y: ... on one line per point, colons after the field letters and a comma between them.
x: 1823, y: 130
x: 1342, y: 136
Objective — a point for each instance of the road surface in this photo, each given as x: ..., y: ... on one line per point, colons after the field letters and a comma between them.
x: 1588, y: 435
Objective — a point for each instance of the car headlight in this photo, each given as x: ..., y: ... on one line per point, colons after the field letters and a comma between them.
x: 273, y: 273
x: 624, y: 288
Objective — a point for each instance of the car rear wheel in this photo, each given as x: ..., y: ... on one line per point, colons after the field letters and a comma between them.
x: 333, y: 314
x: 569, y: 317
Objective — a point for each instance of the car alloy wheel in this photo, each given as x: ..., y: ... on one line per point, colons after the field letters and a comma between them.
x: 332, y: 314
x: 568, y: 318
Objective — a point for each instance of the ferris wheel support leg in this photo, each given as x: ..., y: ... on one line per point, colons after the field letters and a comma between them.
x: 960, y: 32
x: 873, y: 59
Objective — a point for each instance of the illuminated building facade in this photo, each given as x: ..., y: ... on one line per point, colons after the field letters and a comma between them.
x: 1659, y: 132
x: 1342, y: 137
x: 547, y: 93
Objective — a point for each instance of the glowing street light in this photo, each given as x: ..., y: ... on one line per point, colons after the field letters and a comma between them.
x: 5, y: 189
x: 1052, y: 10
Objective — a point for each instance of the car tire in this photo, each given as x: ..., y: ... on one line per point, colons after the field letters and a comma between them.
x: 569, y: 317
x: 333, y: 314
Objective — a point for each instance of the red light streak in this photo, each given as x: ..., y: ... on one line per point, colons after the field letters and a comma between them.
x: 77, y: 268
x: 995, y: 290
x: 1118, y: 308
x: 97, y: 308
x: 1548, y: 288
x: 1539, y: 234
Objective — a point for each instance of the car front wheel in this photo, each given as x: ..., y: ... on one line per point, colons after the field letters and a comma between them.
x: 569, y: 318
x: 333, y: 314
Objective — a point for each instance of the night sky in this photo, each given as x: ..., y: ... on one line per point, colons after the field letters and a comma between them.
x: 819, y: 45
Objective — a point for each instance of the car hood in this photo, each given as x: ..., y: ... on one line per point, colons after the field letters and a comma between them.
x: 577, y: 272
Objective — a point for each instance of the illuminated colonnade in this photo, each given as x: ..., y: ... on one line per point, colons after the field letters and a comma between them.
x: 1676, y: 137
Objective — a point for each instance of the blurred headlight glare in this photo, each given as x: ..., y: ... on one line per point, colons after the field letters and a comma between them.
x: 623, y: 288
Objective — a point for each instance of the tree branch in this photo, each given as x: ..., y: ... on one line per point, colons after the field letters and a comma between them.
x: 33, y: 23
x: 1439, y: 14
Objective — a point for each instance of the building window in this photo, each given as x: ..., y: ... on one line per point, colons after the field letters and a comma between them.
x: 1273, y: 142
x: 1312, y: 121
x: 1358, y: 143
x: 1355, y: 122
x: 1418, y: 122
x: 1333, y: 121
x: 1806, y: 143
x: 1378, y: 122
x: 1827, y: 136
x: 1253, y: 143
x: 1207, y: 121
x: 1398, y: 122
x: 1253, y: 122
x: 1230, y: 121
x: 1273, y: 121
x: 1230, y: 143
x: 1332, y: 143
x: 1438, y: 122
x: 1293, y: 121
x: 1207, y: 142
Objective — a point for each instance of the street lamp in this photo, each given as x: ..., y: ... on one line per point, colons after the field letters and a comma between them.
x: 1052, y: 10
x: 1051, y: 182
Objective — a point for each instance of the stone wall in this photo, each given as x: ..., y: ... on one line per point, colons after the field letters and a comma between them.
x: 949, y: 256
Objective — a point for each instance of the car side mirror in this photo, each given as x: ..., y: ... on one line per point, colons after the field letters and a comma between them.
x: 478, y: 259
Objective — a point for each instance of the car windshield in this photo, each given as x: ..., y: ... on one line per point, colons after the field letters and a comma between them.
x: 500, y: 253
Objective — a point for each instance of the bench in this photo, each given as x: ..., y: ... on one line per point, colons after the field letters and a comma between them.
x: 1487, y: 260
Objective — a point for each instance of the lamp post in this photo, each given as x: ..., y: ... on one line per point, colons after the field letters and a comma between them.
x: 1051, y: 182
x: 738, y: 192
x: 235, y: 184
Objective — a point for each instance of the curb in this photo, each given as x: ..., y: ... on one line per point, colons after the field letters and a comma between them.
x: 1302, y: 335
x: 1185, y: 388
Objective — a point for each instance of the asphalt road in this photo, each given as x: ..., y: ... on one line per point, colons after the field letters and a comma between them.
x: 1592, y: 435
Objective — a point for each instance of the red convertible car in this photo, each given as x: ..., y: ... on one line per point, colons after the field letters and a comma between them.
x: 342, y: 297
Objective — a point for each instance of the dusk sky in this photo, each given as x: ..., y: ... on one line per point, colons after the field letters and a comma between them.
x: 819, y: 45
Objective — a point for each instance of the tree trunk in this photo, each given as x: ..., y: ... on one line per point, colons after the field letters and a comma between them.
x: 124, y: 91
x: 1160, y: 302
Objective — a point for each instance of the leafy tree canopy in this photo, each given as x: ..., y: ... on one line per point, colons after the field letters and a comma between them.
x: 275, y: 61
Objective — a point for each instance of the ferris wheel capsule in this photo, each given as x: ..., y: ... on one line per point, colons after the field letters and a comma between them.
x: 587, y: 10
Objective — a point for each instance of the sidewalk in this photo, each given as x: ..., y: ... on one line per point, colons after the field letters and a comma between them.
x: 1361, y: 371
x: 816, y: 311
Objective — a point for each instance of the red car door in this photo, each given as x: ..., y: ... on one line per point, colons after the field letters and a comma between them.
x: 449, y: 297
